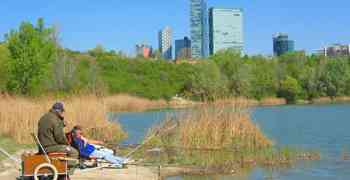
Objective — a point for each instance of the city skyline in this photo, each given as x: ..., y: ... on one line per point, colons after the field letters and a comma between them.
x: 111, y: 25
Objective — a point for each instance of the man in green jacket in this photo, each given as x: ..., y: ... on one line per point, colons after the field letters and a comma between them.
x: 51, y: 134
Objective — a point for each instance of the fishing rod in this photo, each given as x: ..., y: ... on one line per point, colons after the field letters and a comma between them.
x: 9, y: 156
x: 147, y: 140
x: 133, y: 151
x: 17, y: 161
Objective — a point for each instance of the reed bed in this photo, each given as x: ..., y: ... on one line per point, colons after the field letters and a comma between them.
x: 268, y: 101
x: 19, y: 117
x: 124, y: 102
x: 210, y: 131
x: 219, y: 127
x: 234, y: 102
x: 271, y: 101
x: 217, y: 136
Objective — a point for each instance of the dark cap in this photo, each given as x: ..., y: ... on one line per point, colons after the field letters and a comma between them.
x: 77, y: 127
x: 58, y: 107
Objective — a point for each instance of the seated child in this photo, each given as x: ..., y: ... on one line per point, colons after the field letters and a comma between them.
x: 90, y: 148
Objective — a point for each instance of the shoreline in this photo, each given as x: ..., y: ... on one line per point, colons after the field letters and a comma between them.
x: 262, y: 103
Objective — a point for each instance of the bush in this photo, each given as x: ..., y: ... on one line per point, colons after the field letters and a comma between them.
x: 289, y: 90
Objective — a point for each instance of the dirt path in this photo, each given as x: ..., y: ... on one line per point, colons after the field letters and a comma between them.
x: 132, y: 173
x: 11, y: 174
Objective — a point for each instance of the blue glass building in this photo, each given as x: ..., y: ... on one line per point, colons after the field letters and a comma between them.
x: 183, y: 48
x: 199, y: 29
x: 282, y: 44
x: 225, y: 29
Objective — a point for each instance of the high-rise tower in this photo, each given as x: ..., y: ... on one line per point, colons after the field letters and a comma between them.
x: 199, y: 29
x: 165, y: 43
x: 225, y: 29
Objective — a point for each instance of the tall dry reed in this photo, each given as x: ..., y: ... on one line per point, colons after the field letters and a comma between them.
x: 268, y: 101
x: 19, y: 117
x: 221, y: 126
x: 211, y: 135
x: 123, y: 102
x: 214, y: 126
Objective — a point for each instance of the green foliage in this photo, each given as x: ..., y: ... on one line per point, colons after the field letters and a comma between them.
x: 151, y: 79
x: 236, y: 70
x: 97, y: 51
x: 32, y: 63
x: 32, y: 50
x: 289, y: 89
x: 205, y: 82
x: 336, y: 78
x: 4, y: 57
x: 263, y: 78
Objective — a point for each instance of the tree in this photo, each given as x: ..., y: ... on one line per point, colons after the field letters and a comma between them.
x: 64, y: 73
x: 336, y: 77
x: 236, y: 71
x: 32, y: 50
x: 310, y: 83
x: 4, y: 56
x: 206, y: 82
x: 289, y: 89
x: 98, y: 51
x: 264, y: 78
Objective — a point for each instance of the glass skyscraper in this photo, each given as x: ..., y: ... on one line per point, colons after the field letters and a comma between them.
x: 282, y: 44
x: 165, y: 43
x: 199, y: 29
x: 225, y: 29
x: 183, y: 48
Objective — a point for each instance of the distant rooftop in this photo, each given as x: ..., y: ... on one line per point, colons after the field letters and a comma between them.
x: 280, y: 34
x: 227, y: 8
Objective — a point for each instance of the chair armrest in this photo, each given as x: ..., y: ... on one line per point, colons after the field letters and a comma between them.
x: 57, y: 154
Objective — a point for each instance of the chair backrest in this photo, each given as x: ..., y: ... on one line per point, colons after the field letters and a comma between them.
x: 69, y: 137
x: 41, y: 148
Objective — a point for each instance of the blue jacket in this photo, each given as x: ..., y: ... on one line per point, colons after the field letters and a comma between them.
x: 84, y: 150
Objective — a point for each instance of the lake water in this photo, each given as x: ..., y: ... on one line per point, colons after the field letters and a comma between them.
x: 318, y: 127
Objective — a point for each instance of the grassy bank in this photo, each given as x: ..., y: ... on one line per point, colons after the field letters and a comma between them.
x: 243, y: 101
x: 124, y: 102
x: 11, y: 147
x: 273, y: 101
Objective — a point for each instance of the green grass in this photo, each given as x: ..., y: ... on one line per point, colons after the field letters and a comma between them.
x: 9, y: 145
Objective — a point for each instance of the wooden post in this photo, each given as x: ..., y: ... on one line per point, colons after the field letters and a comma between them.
x: 159, y: 174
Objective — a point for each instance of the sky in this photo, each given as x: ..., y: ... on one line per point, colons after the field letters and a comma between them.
x: 120, y: 24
